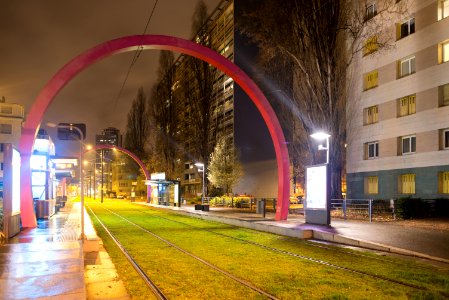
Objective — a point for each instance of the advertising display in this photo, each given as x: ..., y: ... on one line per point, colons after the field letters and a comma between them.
x: 15, y: 182
x: 316, y: 194
x: 317, y: 204
x: 39, y: 162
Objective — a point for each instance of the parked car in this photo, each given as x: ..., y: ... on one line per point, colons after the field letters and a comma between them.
x: 121, y: 196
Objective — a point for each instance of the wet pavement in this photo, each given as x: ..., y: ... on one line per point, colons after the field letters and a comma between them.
x: 43, y: 262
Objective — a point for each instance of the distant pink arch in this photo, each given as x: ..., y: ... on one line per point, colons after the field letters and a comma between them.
x: 130, y: 154
x: 159, y: 42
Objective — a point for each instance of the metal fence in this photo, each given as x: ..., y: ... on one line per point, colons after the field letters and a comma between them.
x: 365, y: 208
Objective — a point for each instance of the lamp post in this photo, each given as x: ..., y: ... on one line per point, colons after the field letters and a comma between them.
x: 200, y: 167
x: 322, y: 136
x: 80, y: 137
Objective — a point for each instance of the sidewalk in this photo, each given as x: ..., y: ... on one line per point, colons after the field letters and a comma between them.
x: 43, y: 262
x: 429, y: 243
x: 48, y: 262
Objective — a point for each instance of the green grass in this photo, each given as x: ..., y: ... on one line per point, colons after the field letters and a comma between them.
x: 286, y: 277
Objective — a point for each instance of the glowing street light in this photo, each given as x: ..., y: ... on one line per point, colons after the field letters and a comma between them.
x: 319, y: 136
x: 200, y: 167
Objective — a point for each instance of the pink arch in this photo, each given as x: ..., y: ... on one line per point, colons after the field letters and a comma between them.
x: 130, y: 154
x: 159, y: 42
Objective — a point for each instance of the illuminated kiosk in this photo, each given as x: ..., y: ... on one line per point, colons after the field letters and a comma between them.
x: 11, y: 191
x: 163, y: 191
x: 43, y: 177
x: 317, y: 204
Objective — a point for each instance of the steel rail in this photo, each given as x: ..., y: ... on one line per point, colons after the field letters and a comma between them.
x: 307, y: 258
x: 241, y: 281
x: 157, y: 292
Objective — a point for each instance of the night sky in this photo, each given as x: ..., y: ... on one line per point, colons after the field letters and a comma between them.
x: 38, y: 37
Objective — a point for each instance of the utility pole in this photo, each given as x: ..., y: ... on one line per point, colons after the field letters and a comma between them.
x: 102, y: 173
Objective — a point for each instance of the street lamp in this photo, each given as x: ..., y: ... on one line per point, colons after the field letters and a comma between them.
x: 322, y: 136
x: 200, y: 167
x: 80, y: 138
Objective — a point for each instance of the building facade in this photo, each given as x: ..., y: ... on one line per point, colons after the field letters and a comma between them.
x: 104, y: 157
x: 11, y: 119
x: 398, y: 134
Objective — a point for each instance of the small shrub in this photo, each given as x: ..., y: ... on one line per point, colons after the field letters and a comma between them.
x: 409, y: 208
x: 441, y: 206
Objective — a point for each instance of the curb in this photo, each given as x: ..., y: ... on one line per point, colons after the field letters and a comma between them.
x: 273, y: 227
x: 341, y: 239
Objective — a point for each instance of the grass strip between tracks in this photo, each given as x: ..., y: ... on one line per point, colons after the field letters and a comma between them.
x: 286, y: 277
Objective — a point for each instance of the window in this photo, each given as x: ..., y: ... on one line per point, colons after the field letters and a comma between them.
x: 372, y: 150
x: 443, y: 49
x: 443, y: 9
x: 372, y: 185
x: 371, y: 11
x: 406, y: 66
x: 408, y: 144
x: 445, y: 139
x: 444, y: 95
x: 371, y: 115
x: 443, y: 182
x: 6, y: 109
x: 370, y: 80
x: 5, y: 128
x: 370, y: 46
x: 407, y: 183
x: 407, y: 105
x: 406, y: 28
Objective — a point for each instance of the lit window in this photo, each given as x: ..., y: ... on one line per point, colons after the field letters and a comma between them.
x: 370, y: 80
x: 444, y: 95
x: 370, y: 45
x: 443, y: 182
x: 407, y: 105
x: 444, y: 52
x: 406, y: 28
x: 407, y: 183
x: 5, y: 128
x: 443, y: 9
x: 408, y: 144
x: 406, y: 66
x: 371, y: 11
x: 372, y: 150
x: 372, y: 185
x: 371, y: 115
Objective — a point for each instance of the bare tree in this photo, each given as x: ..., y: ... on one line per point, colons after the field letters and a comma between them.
x: 311, y: 44
x: 198, y: 91
x: 164, y: 116
x: 137, y: 129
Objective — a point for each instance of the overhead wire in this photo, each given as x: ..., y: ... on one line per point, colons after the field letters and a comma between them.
x: 135, y: 57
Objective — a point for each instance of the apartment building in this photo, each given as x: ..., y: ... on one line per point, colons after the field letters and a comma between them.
x: 11, y: 119
x: 109, y: 136
x: 398, y: 136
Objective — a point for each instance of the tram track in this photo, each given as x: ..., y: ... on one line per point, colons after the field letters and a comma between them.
x: 153, y: 287
x: 269, y: 248
x: 303, y: 257
x: 150, y: 283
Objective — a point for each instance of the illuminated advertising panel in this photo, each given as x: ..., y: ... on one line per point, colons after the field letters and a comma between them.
x: 15, y: 182
x: 38, y: 162
x: 316, y: 187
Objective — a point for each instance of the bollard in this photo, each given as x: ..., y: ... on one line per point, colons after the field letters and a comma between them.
x: 344, y: 208
x: 370, y: 210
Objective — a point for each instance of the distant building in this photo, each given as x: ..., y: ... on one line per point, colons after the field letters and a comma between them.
x: 109, y: 136
x: 398, y: 137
